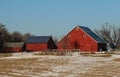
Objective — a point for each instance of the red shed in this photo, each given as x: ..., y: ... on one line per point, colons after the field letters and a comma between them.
x: 13, y: 47
x: 82, y: 38
x: 38, y: 43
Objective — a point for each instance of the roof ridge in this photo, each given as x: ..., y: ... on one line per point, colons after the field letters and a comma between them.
x: 92, y: 34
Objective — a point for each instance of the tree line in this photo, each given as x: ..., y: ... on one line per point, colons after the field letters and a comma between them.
x: 110, y: 33
x: 6, y: 36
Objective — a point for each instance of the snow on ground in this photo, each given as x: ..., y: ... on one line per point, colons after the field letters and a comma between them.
x: 58, y: 66
x: 115, y: 56
x: 76, y: 66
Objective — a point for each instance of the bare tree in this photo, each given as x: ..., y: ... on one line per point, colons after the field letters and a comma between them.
x: 3, y: 35
x: 56, y: 39
x: 26, y: 35
x: 6, y: 36
x: 110, y: 33
x: 16, y: 37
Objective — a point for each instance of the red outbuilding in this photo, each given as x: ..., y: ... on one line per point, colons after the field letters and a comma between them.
x: 13, y: 47
x: 82, y: 38
x: 38, y: 43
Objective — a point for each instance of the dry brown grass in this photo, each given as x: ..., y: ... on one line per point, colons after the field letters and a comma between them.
x: 116, y: 59
x: 51, y: 53
x: 108, y: 69
x: 46, y: 53
x: 35, y: 66
x: 96, y: 55
x: 5, y: 54
x: 25, y: 66
x: 101, y: 55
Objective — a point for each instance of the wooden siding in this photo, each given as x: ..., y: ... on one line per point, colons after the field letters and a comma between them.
x: 13, y: 47
x: 36, y: 47
x: 78, y: 39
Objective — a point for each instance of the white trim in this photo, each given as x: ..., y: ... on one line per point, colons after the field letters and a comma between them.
x: 88, y: 35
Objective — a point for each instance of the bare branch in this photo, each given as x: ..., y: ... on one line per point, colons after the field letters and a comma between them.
x: 110, y: 33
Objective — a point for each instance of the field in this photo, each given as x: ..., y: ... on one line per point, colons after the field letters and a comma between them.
x: 75, y: 65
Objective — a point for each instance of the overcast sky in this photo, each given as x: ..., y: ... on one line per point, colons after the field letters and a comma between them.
x: 57, y: 17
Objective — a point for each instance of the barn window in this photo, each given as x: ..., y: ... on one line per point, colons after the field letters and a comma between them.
x: 84, y: 36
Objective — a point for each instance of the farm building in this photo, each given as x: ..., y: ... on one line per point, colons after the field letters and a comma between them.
x: 38, y: 43
x: 13, y: 47
x: 82, y: 38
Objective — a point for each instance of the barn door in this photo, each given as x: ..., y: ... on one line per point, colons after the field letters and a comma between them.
x: 76, y: 45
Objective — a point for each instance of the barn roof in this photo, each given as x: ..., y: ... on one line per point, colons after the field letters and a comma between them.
x: 38, y: 39
x: 16, y: 44
x: 92, y: 34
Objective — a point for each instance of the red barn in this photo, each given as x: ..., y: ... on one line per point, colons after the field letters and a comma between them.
x: 38, y: 43
x: 13, y: 47
x: 82, y: 38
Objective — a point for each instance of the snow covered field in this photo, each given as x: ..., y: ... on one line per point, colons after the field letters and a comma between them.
x: 30, y: 65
